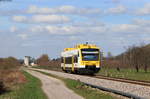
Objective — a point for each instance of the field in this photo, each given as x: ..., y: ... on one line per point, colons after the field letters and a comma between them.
x: 126, y: 73
x: 31, y: 89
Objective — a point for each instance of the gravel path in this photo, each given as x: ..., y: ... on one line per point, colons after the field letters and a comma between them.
x: 138, y: 90
x: 54, y: 88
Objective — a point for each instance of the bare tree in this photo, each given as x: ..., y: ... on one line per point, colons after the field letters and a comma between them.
x: 43, y: 60
x: 145, y: 58
x: 134, y: 57
x: 109, y: 55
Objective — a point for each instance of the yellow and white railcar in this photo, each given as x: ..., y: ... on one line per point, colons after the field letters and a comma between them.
x: 83, y: 58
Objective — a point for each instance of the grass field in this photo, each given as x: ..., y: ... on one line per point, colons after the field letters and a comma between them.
x: 29, y: 90
x: 126, y: 73
x: 83, y: 90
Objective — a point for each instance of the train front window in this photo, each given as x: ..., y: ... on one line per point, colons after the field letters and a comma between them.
x: 90, y: 54
x: 90, y: 57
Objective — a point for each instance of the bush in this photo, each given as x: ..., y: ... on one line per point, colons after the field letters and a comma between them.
x: 2, y: 88
x: 9, y: 63
x: 43, y: 60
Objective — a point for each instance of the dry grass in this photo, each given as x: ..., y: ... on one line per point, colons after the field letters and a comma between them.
x: 9, y: 73
x: 10, y: 78
x: 31, y: 89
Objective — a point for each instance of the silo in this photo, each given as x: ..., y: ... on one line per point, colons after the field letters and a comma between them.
x: 27, y: 60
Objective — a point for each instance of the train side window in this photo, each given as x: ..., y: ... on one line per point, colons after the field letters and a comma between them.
x: 75, y: 59
x: 68, y: 60
x: 62, y: 60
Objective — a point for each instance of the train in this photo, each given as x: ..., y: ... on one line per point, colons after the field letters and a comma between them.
x: 81, y: 59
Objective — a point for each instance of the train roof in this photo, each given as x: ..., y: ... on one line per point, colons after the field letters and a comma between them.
x: 81, y: 46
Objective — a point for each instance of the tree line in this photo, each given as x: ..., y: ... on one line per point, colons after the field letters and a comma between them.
x: 137, y: 57
x: 45, y: 61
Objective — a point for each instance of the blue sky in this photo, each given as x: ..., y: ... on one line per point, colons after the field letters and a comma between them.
x: 35, y: 27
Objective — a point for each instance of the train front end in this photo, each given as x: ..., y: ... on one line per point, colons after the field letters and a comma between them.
x: 89, y: 59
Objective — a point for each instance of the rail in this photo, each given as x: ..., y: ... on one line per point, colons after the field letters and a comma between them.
x: 137, y: 82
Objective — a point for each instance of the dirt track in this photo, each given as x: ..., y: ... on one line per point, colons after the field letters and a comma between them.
x: 54, y: 88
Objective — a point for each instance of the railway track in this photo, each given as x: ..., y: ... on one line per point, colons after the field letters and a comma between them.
x: 124, y: 80
x: 137, y: 82
x: 131, y: 81
x: 145, y: 85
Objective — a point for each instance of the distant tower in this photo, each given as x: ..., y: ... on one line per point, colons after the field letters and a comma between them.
x: 27, y: 60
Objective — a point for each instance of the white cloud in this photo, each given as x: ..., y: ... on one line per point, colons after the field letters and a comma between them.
x: 52, y: 19
x: 66, y: 9
x: 137, y: 27
x: 76, y: 29
x: 63, y: 29
x: 117, y: 10
x: 66, y: 30
x: 146, y: 39
x: 115, y: 1
x: 23, y: 36
x: 73, y: 38
x: 19, y: 18
x: 143, y: 11
x: 34, y: 9
x: 13, y: 29
x: 128, y: 28
x: 28, y: 45
x: 35, y: 29
x: 142, y: 22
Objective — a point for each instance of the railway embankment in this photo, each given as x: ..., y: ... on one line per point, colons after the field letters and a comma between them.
x: 136, y: 90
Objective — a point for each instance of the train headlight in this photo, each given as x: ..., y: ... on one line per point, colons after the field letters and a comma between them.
x: 82, y: 63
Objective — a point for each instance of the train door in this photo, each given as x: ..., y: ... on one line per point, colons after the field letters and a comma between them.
x: 64, y: 61
x: 73, y: 63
